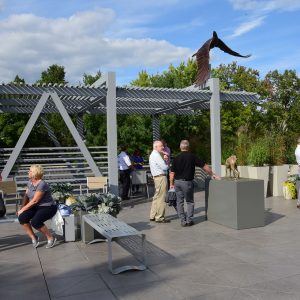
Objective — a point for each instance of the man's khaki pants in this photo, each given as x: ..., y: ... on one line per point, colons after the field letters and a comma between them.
x: 158, y: 203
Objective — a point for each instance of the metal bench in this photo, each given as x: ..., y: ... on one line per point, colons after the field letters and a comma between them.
x: 112, y: 230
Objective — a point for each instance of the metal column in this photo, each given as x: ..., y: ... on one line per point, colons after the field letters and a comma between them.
x: 215, y: 125
x: 112, y: 138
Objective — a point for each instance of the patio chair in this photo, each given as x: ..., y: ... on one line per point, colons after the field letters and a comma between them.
x: 96, y: 183
x: 139, y: 177
x: 10, y: 194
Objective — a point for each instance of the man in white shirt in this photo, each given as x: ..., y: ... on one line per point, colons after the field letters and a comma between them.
x: 124, y: 168
x: 158, y: 168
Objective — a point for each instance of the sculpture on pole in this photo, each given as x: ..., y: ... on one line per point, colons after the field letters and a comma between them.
x: 202, y: 57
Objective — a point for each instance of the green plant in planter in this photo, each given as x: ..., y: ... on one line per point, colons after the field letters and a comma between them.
x: 290, y: 185
x: 291, y: 189
x: 61, y: 191
x: 259, y: 153
x: 87, y: 202
x: 98, y: 203
x: 110, y: 204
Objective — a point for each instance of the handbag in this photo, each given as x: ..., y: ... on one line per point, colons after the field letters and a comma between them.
x: 64, y: 210
x: 171, y: 197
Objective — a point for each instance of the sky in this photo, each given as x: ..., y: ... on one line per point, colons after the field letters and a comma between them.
x: 129, y: 36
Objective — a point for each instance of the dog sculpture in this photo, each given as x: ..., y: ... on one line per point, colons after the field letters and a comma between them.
x: 231, y: 166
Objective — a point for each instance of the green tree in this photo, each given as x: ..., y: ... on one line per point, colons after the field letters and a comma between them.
x: 54, y: 74
x: 89, y: 79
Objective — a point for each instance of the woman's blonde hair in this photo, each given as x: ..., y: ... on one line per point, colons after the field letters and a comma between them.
x: 37, y: 171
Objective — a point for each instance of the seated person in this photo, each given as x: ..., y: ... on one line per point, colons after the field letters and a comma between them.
x: 38, y: 207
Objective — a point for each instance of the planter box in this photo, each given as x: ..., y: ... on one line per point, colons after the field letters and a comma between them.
x: 238, y: 204
x: 244, y: 171
x: 293, y: 169
x: 260, y: 173
x: 278, y: 174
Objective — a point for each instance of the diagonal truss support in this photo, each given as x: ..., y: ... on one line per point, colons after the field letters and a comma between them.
x: 36, y: 113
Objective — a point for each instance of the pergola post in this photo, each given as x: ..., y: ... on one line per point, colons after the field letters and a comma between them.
x: 155, y: 127
x: 112, y: 143
x: 215, y: 125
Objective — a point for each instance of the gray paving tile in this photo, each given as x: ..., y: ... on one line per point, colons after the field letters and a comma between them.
x: 37, y: 291
x: 267, y: 295
x: 288, y: 284
x: 230, y: 294
x: 74, y: 285
x: 102, y: 294
x: 147, y: 291
x: 19, y: 273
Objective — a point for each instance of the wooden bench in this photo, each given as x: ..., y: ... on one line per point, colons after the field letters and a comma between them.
x: 111, y: 229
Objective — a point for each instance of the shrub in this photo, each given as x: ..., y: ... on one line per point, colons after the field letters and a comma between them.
x: 259, y: 153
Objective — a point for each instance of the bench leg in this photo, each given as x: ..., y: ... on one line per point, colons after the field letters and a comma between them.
x: 109, y: 248
x: 87, y: 232
x: 121, y: 269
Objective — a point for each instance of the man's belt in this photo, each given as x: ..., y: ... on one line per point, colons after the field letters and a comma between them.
x: 159, y: 175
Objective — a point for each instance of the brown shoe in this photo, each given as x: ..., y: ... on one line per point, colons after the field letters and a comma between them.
x: 163, y: 221
x: 152, y: 220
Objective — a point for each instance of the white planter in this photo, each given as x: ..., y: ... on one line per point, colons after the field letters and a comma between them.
x: 278, y: 174
x: 244, y: 172
x: 260, y: 173
x: 293, y: 169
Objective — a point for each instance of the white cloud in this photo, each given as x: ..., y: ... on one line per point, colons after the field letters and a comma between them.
x: 265, y: 6
x: 30, y: 44
x: 259, y: 10
x: 247, y: 26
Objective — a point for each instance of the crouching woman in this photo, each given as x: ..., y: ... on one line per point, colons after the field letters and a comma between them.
x: 38, y: 207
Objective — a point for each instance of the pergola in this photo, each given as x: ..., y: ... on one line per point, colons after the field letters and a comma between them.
x: 104, y: 97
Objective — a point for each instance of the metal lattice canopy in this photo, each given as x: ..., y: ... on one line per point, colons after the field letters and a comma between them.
x: 103, y: 97
x: 130, y: 100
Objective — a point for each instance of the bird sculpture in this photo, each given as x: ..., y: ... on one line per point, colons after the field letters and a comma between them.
x: 202, y: 57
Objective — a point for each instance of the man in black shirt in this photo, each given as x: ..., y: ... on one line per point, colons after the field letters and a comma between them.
x: 182, y: 175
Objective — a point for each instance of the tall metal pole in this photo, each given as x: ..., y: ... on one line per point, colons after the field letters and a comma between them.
x: 215, y: 125
x: 112, y: 137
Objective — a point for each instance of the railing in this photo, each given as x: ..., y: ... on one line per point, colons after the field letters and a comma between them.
x: 61, y: 164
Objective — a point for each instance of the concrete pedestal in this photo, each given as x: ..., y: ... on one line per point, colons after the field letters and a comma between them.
x: 69, y: 228
x: 236, y: 204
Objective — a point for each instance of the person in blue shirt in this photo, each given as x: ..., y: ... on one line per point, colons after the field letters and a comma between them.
x: 137, y: 160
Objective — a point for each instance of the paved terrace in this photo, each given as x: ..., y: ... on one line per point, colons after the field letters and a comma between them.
x: 206, y: 261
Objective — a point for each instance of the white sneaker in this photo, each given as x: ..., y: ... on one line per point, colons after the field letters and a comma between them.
x: 36, y: 242
x: 51, y: 243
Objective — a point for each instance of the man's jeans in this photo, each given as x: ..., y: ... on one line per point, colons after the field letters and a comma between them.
x: 185, y: 190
